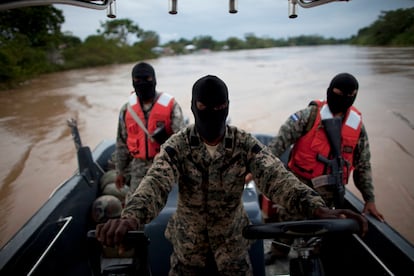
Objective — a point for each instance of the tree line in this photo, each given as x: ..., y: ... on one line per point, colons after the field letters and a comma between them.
x: 31, y: 42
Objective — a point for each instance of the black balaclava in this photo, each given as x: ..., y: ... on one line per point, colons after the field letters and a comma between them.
x: 210, y: 122
x: 347, y: 84
x: 144, y: 89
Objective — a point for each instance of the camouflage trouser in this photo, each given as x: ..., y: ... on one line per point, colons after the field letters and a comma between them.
x: 137, y: 170
x: 242, y: 268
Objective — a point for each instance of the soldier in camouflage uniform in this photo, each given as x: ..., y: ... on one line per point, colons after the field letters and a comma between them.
x: 131, y: 169
x: 305, y: 125
x: 209, y: 161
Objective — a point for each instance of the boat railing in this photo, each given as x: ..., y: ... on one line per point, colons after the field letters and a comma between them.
x: 42, y: 257
x: 110, y: 5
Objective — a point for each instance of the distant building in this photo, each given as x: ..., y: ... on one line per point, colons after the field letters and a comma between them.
x: 165, y: 51
x: 190, y: 47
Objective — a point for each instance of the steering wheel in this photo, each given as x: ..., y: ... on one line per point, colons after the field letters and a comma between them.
x: 301, y: 228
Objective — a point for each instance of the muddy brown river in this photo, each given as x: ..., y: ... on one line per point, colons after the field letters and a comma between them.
x: 265, y: 87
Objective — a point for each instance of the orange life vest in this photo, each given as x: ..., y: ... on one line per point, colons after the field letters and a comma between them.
x: 303, y: 161
x: 139, y: 144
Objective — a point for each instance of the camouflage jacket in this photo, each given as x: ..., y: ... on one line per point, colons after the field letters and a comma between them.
x: 122, y: 156
x: 210, y: 212
x: 300, y: 122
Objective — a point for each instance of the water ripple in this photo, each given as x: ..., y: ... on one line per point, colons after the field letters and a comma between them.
x: 404, y: 119
x: 402, y: 148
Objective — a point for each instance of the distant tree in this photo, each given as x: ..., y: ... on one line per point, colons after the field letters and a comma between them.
x: 29, y: 42
x: 118, y: 41
x: 204, y: 42
x: 177, y: 46
x: 252, y: 41
x: 149, y: 39
x: 121, y: 30
x: 307, y: 40
x: 393, y: 28
x: 41, y: 25
x: 69, y: 40
x: 94, y: 51
x: 235, y: 43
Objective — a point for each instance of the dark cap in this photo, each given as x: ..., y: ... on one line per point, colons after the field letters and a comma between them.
x: 345, y: 82
x: 210, y: 90
x: 143, y: 69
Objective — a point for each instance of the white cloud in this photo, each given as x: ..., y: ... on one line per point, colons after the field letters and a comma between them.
x: 210, y: 17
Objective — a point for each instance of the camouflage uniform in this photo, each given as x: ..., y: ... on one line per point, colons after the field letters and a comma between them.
x: 301, y: 122
x: 210, y: 215
x: 134, y: 169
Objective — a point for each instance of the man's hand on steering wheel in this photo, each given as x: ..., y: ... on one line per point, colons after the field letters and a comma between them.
x: 112, y: 232
x: 326, y: 213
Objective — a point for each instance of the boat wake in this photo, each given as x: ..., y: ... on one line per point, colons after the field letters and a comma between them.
x: 404, y: 119
x: 402, y: 148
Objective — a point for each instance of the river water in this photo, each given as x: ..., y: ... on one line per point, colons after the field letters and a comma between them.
x: 265, y: 85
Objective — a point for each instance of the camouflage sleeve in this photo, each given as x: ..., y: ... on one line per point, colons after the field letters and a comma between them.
x: 290, y: 131
x: 177, y: 117
x: 151, y: 195
x: 280, y: 185
x: 122, y: 156
x: 362, y: 174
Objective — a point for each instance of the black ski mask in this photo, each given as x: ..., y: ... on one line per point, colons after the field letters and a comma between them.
x: 144, y: 88
x: 347, y: 84
x: 213, y: 94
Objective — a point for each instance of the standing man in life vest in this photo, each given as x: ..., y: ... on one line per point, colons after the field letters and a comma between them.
x: 146, y: 121
x: 308, y: 135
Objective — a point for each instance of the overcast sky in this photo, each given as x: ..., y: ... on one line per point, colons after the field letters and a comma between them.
x: 264, y: 18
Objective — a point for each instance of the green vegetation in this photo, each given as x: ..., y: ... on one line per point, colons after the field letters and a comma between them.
x: 111, y: 46
x: 31, y: 42
x: 28, y: 40
x: 250, y: 41
x: 393, y: 28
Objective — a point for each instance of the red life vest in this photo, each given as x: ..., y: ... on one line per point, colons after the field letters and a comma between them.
x: 303, y: 161
x: 138, y: 142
